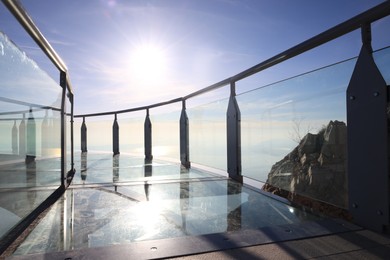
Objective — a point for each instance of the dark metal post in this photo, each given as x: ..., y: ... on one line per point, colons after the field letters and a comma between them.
x: 71, y: 131
x: 22, y: 137
x: 148, y: 137
x: 63, y: 128
x: 184, y: 138
x: 45, y: 132
x: 115, y: 136
x: 84, y: 137
x: 14, y: 139
x: 233, y: 133
x: 368, y: 166
x: 31, y: 138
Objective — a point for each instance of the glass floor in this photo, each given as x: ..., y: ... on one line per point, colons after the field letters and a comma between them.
x: 23, y: 187
x: 123, y: 200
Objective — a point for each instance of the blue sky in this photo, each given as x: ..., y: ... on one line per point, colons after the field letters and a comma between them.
x: 106, y: 43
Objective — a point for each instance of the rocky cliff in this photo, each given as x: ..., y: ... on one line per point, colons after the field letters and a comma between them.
x: 316, y: 168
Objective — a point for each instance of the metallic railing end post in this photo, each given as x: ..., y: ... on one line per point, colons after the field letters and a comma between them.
x: 233, y: 134
x: 148, y: 136
x: 31, y: 138
x: 184, y: 138
x: 368, y: 148
x: 63, y: 127
x: 84, y: 137
x: 115, y: 136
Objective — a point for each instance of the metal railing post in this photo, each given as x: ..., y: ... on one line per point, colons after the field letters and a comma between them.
x: 115, y: 136
x: 71, y: 98
x: 233, y: 134
x: 148, y: 136
x: 184, y: 138
x: 45, y: 132
x: 368, y: 165
x: 84, y: 136
x: 63, y: 128
x: 31, y: 138
x: 14, y: 138
x: 22, y: 136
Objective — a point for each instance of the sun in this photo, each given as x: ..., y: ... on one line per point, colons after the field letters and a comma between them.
x: 148, y: 64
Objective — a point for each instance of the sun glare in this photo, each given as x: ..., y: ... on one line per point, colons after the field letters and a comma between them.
x: 148, y: 64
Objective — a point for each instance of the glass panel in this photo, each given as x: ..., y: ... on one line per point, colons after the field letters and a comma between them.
x: 165, y: 131
x: 131, y: 133
x: 77, y: 134
x: 294, y: 133
x: 23, y: 80
x: 29, y: 135
x: 207, y: 125
x: 99, y: 133
x: 379, y: 32
x: 36, y: 133
x: 382, y: 60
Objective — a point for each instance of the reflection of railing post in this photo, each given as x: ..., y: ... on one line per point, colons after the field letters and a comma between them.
x: 31, y: 138
x: 45, y: 140
x: 115, y: 168
x: 15, y: 138
x: 22, y: 137
x: 84, y: 136
x: 148, y: 172
x: 368, y: 166
x: 234, y: 211
x: 233, y: 133
x: 148, y: 168
x: 148, y: 137
x: 115, y: 136
x: 83, y: 167
x: 184, y: 138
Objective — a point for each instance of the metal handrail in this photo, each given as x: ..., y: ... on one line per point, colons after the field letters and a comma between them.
x: 350, y: 25
x: 132, y: 109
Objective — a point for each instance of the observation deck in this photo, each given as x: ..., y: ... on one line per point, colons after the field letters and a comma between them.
x: 233, y: 177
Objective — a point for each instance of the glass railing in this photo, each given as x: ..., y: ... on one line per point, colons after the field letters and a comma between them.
x: 382, y: 60
x: 165, y: 133
x: 294, y: 133
x: 166, y: 139
x: 207, y: 134
x: 32, y: 135
x: 131, y: 133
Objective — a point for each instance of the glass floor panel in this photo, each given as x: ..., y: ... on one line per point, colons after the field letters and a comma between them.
x: 154, y: 201
x: 94, y: 168
x: 23, y: 187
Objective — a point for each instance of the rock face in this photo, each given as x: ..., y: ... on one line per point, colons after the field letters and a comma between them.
x: 316, y: 168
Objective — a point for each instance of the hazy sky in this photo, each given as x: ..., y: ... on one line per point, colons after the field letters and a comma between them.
x: 123, y: 54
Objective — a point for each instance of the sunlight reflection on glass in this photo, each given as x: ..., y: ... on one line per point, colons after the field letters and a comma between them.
x: 148, y: 216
